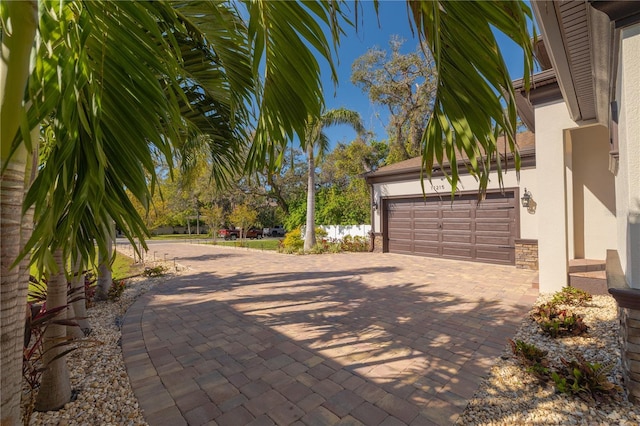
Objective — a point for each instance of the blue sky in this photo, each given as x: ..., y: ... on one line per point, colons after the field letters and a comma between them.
x: 393, y: 20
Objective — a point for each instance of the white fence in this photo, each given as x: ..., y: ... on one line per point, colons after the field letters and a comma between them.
x: 338, y: 232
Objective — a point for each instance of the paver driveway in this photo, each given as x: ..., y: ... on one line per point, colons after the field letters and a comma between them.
x: 247, y: 337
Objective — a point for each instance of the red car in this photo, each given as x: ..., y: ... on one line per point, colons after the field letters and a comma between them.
x: 254, y: 233
x: 229, y: 234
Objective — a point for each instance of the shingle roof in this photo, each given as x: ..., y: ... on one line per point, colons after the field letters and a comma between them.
x: 524, y: 140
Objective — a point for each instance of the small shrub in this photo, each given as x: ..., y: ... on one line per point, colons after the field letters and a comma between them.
x: 321, y: 233
x: 156, y: 271
x: 558, y: 322
x: 355, y: 244
x: 532, y: 357
x: 116, y: 290
x: 292, y: 242
x: 571, y: 296
x: 585, y: 379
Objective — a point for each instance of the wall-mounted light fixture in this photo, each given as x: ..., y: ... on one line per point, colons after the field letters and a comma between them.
x: 375, y: 203
x: 526, y: 198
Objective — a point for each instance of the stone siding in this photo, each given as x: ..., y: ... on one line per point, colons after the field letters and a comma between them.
x: 377, y: 242
x: 630, y: 350
x: 527, y: 254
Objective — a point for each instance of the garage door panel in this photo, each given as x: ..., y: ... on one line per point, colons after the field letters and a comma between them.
x: 426, y: 214
x: 426, y: 249
x: 456, y: 214
x: 493, y: 214
x: 457, y: 251
x: 493, y: 255
x: 493, y: 227
x: 426, y: 236
x: 456, y: 226
x: 419, y: 225
x: 494, y: 240
x: 457, y: 238
x: 401, y: 234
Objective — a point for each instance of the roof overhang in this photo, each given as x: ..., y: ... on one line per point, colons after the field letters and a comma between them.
x: 527, y: 160
x: 581, y: 42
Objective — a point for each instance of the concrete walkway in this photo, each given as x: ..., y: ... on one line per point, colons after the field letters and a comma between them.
x: 259, y: 338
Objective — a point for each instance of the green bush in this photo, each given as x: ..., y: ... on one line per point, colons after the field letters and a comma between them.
x: 155, y: 271
x: 116, y: 290
x: 571, y: 296
x: 292, y: 242
x: 356, y: 244
x: 579, y: 377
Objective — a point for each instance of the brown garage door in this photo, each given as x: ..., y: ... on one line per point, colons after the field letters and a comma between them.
x: 459, y: 230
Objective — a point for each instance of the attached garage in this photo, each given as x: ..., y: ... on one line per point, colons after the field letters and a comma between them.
x: 459, y: 229
x: 412, y: 219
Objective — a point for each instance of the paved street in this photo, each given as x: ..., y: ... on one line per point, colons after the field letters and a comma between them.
x: 258, y: 338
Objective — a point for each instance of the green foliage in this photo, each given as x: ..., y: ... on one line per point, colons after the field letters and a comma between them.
x: 356, y: 244
x: 588, y: 380
x: 154, y: 271
x: 243, y: 217
x: 116, y: 290
x: 293, y: 242
x: 532, y: 357
x: 557, y: 322
x: 471, y: 63
x: 405, y: 84
x: 264, y: 244
x: 571, y: 296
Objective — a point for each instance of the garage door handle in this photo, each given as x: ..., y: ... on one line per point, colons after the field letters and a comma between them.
x: 509, y: 247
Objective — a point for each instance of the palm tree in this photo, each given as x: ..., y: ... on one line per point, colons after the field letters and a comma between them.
x: 123, y: 80
x: 317, y: 141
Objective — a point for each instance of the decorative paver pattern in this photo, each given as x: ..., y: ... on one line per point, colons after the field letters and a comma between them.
x: 248, y: 337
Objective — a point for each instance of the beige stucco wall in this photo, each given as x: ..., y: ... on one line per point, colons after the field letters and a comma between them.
x: 553, y: 148
x: 593, y: 193
x: 628, y: 176
x: 528, y: 221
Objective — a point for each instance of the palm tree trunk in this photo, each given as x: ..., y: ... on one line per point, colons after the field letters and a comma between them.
x: 14, y: 72
x: 55, y: 389
x: 105, y: 277
x: 79, y: 307
x: 310, y: 231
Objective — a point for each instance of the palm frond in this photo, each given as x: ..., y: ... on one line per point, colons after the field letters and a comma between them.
x: 474, y: 85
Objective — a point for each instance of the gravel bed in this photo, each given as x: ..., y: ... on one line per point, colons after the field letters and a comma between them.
x: 97, y: 372
x: 508, y: 396
x: 511, y: 396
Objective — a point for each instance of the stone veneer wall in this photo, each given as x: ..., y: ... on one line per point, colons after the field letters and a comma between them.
x: 527, y: 254
x: 628, y: 300
x: 630, y: 350
x: 377, y: 242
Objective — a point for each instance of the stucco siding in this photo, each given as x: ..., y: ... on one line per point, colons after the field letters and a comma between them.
x: 628, y: 176
x: 552, y: 211
x: 594, y: 202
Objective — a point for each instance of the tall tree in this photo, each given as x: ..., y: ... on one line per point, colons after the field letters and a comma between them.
x: 316, y: 140
x: 403, y: 83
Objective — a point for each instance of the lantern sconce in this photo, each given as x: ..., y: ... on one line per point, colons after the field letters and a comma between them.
x: 375, y: 203
x: 526, y: 198
x: 528, y: 202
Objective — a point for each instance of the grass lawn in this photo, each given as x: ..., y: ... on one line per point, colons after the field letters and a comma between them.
x: 254, y: 244
x: 123, y: 267
x: 181, y: 237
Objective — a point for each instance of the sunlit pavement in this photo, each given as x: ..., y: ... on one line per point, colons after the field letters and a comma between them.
x: 259, y: 338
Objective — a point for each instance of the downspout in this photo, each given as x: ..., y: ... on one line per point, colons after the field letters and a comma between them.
x: 372, y: 232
